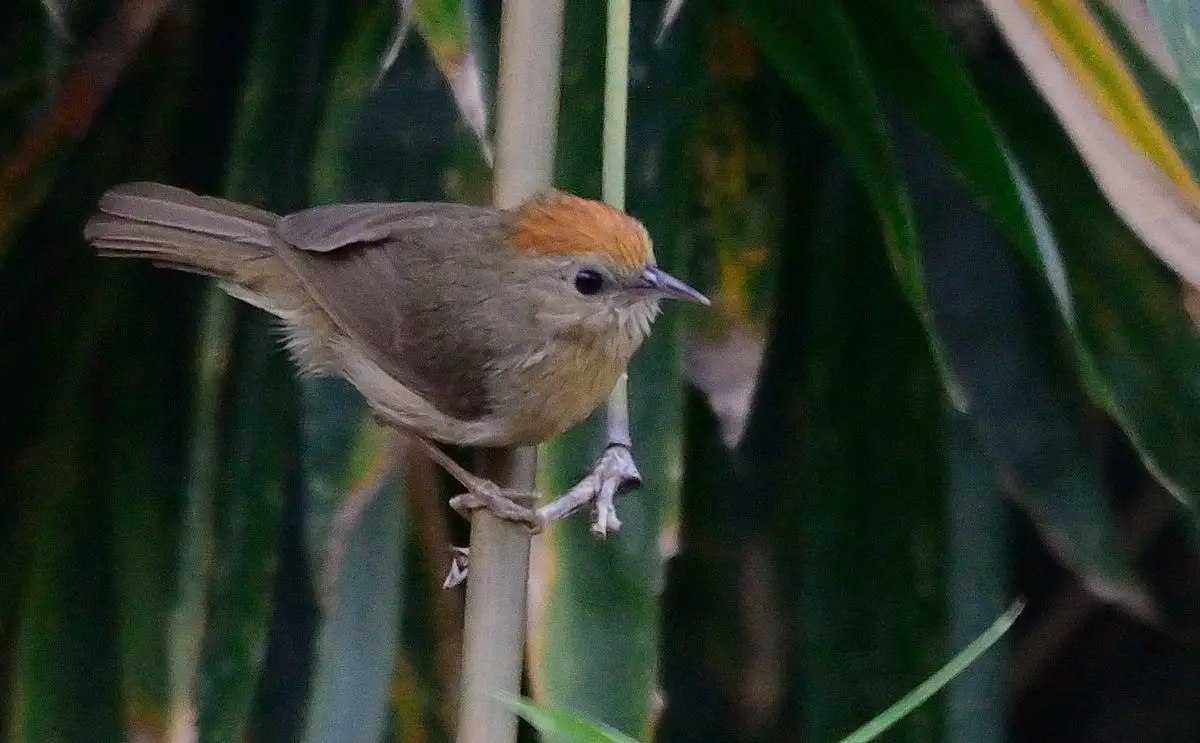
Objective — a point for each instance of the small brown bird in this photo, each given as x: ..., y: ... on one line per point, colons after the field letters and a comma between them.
x: 462, y: 324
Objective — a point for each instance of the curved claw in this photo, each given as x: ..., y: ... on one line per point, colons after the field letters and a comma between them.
x: 615, y: 473
x: 460, y: 566
x: 604, y: 511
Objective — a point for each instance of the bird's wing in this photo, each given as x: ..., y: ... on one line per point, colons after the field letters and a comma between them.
x: 388, y: 275
x: 323, y: 229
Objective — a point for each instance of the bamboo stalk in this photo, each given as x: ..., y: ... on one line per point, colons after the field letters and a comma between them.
x: 496, y: 603
x: 616, y: 107
x: 616, y: 102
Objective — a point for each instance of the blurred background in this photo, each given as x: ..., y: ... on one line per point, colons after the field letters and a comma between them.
x: 951, y: 246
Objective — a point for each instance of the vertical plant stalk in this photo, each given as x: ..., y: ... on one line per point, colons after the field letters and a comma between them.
x: 616, y: 103
x: 197, y: 540
x: 616, y: 106
x: 494, y: 630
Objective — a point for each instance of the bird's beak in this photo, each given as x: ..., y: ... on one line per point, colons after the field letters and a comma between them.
x: 660, y: 282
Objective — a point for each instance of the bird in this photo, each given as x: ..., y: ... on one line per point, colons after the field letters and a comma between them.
x: 459, y: 324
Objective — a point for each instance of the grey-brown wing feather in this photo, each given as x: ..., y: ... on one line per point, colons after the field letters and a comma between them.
x: 373, y: 269
x: 323, y: 229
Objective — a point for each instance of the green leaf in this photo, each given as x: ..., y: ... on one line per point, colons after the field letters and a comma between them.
x: 1127, y: 304
x: 66, y: 667
x: 268, y: 166
x: 334, y: 173
x: 733, y: 170
x: 977, y: 582
x: 447, y: 26
x: 259, y: 395
x: 813, y: 45
x: 359, y: 636
x: 57, y: 17
x: 563, y: 726
x: 354, y: 539
x: 196, y: 548
x: 92, y: 453
x: 932, y: 685
x: 146, y: 461
x: 32, y: 169
x: 1178, y: 23
x: 1161, y: 93
x: 911, y: 57
x: 845, y: 444
x: 1000, y: 331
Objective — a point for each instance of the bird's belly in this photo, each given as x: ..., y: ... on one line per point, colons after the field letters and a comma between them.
x: 562, y: 390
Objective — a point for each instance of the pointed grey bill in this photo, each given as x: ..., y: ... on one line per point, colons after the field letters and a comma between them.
x: 661, y: 282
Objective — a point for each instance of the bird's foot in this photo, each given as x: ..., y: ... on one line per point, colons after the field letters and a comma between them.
x: 460, y: 564
x: 614, y: 474
x: 508, y: 504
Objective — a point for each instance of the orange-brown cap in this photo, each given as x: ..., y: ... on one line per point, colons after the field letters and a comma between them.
x: 560, y: 223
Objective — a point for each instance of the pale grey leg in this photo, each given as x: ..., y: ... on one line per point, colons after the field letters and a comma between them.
x: 505, y: 503
x: 614, y: 474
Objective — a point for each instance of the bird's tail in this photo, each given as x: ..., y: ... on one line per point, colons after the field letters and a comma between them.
x: 178, y: 229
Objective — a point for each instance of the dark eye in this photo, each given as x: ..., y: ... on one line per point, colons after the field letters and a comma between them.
x: 589, y: 282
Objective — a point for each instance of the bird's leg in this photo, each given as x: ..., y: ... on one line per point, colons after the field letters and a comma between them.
x: 614, y: 474
x: 505, y: 503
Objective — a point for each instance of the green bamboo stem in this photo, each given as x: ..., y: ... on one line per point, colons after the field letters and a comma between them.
x: 616, y: 105
x: 497, y: 592
x: 616, y: 102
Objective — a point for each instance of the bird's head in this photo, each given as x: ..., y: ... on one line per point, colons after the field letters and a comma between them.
x: 596, y: 270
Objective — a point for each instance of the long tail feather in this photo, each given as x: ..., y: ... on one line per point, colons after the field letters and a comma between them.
x: 182, y: 230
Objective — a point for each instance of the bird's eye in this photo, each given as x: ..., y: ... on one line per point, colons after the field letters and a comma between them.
x: 589, y: 282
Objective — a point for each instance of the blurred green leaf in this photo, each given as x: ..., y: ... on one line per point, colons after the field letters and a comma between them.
x: 249, y: 496
x: 814, y: 47
x: 1178, y: 22
x: 281, y: 98
x: 845, y: 446
x: 1001, y: 329
x: 932, y: 685
x: 1126, y: 302
x: 914, y: 60
x: 1078, y: 42
x: 66, y: 669
x: 27, y: 55
x: 354, y: 545
x: 359, y: 636
x: 1161, y: 93
x: 566, y: 727
x: 447, y: 28
x: 977, y: 582
x: 146, y: 471
x: 911, y: 57
x: 709, y: 664
x: 196, y: 545
x: 732, y: 167
x: 335, y: 176
x: 92, y: 456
